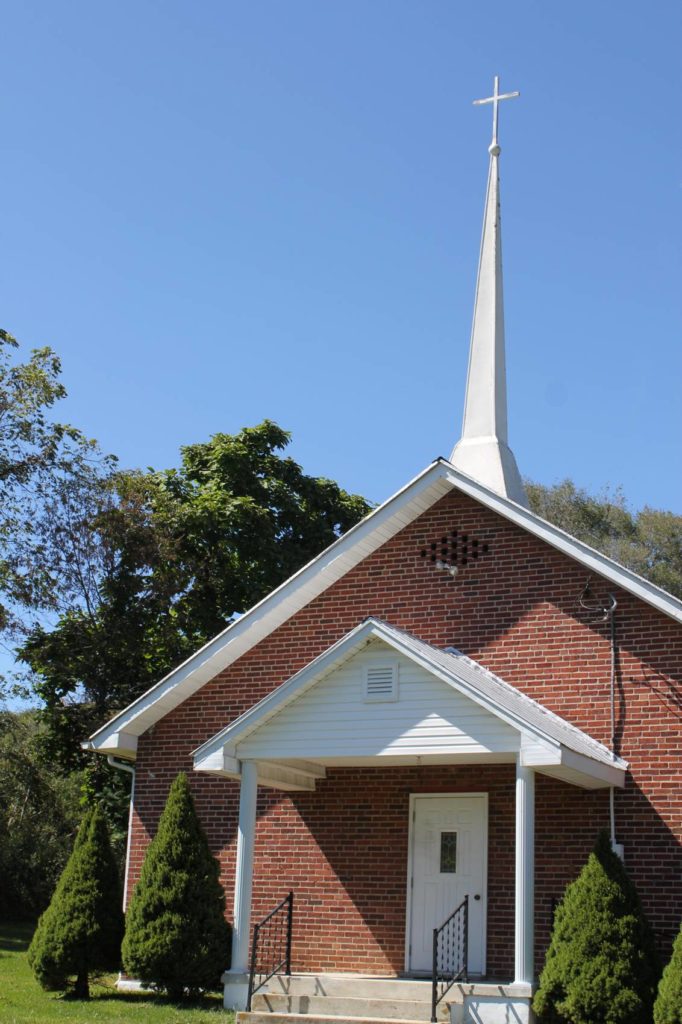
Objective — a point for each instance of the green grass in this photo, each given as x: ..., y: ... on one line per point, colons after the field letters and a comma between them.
x: 22, y: 1000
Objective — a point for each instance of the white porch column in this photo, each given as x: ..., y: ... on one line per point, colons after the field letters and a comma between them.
x: 524, y: 932
x: 236, y: 979
x: 243, y: 880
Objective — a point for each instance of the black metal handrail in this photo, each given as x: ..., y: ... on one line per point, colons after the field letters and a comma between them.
x: 271, y: 946
x: 450, y: 953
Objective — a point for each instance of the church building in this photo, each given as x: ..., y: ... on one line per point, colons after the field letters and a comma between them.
x: 420, y: 735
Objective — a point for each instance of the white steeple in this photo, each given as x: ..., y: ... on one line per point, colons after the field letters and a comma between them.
x: 482, y: 452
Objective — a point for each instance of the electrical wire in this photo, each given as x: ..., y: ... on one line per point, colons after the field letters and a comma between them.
x: 606, y: 613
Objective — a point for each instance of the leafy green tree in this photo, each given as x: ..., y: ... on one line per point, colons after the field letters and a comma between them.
x: 38, y: 456
x: 649, y: 541
x: 176, y: 555
x: 80, y: 932
x: 601, y: 966
x: 176, y: 936
x: 668, y: 1005
x: 39, y: 815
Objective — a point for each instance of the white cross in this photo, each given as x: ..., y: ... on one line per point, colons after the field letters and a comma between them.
x: 495, y: 99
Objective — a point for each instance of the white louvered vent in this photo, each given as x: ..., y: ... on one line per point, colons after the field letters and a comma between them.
x: 381, y: 682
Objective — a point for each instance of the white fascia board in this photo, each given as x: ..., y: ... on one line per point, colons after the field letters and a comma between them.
x: 606, y: 774
x: 277, y: 776
x: 240, y: 636
x: 568, y: 545
x: 561, y: 762
x: 122, y: 744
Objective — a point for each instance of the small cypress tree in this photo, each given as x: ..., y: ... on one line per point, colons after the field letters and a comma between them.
x: 176, y: 934
x: 668, y: 1005
x: 601, y: 966
x: 80, y: 932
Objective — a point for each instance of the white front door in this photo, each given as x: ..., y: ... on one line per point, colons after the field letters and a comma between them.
x: 448, y: 861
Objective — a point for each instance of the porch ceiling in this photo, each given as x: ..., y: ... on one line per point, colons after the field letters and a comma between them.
x: 444, y: 709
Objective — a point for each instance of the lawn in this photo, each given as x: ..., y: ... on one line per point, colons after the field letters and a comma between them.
x: 22, y: 1000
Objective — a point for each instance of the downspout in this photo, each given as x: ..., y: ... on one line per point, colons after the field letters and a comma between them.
x: 615, y: 846
x: 125, y: 767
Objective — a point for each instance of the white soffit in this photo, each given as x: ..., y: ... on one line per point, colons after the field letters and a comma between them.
x: 339, y: 558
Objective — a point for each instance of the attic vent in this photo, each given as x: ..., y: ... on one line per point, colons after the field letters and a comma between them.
x: 453, y: 550
x: 381, y: 682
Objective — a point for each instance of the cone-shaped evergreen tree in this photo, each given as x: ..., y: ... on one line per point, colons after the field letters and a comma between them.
x: 80, y: 932
x: 668, y: 1005
x: 176, y: 934
x: 601, y: 965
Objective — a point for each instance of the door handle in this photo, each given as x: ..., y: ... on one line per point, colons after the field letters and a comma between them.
x: 477, y: 896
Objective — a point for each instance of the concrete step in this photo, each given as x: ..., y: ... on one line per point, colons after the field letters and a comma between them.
x: 357, y: 986
x: 354, y: 1007
x: 303, y: 1018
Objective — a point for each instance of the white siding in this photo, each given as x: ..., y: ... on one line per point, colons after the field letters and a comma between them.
x: 333, y: 720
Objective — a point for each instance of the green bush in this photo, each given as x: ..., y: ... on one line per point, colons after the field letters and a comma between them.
x: 668, y: 1005
x: 176, y: 934
x: 601, y: 965
x: 80, y: 932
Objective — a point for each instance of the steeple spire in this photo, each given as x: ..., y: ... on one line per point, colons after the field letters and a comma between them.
x: 482, y: 452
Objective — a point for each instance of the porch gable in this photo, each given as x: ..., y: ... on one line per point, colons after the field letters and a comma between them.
x: 445, y: 708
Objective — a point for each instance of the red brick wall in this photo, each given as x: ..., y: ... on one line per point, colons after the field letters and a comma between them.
x: 344, y: 848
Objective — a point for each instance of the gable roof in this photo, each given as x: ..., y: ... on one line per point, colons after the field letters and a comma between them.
x: 119, y: 735
x: 545, y: 733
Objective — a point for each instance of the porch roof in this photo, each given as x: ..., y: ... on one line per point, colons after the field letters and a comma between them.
x: 540, y: 738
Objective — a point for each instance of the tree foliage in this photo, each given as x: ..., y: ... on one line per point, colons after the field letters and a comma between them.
x: 176, y: 936
x: 80, y: 932
x: 601, y: 966
x: 39, y: 456
x: 649, y: 541
x: 180, y: 553
x: 668, y: 1005
x: 39, y: 814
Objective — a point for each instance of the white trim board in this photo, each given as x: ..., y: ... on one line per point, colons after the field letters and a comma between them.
x: 381, y: 525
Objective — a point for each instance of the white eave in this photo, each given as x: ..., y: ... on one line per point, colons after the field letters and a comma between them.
x: 547, y: 742
x: 119, y: 735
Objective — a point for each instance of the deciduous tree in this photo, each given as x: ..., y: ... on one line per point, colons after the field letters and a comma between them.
x: 177, y: 555
x: 39, y: 814
x: 649, y: 541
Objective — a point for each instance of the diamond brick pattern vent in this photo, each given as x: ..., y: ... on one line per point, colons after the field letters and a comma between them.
x: 380, y: 682
x: 454, y: 548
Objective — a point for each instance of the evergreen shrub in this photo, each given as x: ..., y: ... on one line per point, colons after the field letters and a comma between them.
x: 80, y: 932
x: 601, y: 966
x: 177, y: 937
x: 668, y: 1005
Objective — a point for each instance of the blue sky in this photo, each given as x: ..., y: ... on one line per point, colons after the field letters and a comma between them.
x: 218, y: 212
